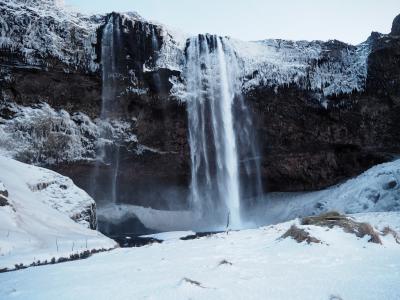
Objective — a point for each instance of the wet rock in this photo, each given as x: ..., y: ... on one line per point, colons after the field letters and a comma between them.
x: 392, y: 184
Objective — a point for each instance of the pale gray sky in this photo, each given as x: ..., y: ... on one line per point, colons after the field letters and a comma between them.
x: 347, y: 20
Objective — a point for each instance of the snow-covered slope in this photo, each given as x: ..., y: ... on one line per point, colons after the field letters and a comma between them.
x: 376, y: 190
x: 47, y: 216
x: 250, y: 264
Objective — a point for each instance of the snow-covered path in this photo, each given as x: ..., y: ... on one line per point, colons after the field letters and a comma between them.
x: 250, y: 264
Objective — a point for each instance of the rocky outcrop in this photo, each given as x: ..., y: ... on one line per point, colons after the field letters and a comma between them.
x: 3, y: 195
x: 396, y: 26
x: 322, y: 111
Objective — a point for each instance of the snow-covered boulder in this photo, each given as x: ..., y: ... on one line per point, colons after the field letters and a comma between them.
x: 50, y: 188
x: 47, y: 216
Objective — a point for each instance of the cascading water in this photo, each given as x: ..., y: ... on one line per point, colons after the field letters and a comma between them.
x: 106, y: 155
x: 215, y: 134
x: 109, y: 67
x: 155, y: 45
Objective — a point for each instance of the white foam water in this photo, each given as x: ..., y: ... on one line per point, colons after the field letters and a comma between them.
x: 213, y: 86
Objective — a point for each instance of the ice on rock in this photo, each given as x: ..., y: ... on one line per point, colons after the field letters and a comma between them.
x: 42, y: 29
x: 42, y: 134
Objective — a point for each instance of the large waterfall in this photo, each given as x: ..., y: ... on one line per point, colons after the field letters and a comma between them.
x: 219, y: 133
x: 108, y: 155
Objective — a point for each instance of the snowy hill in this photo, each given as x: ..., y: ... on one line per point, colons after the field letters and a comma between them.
x: 250, y: 264
x: 44, y: 216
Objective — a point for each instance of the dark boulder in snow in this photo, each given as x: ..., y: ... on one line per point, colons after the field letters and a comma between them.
x: 3, y: 190
x: 3, y: 195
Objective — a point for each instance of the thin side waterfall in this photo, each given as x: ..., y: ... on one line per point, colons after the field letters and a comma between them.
x: 109, y: 66
x: 216, y: 132
x: 155, y: 45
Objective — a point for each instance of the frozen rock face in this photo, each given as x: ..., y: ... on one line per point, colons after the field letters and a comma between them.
x: 323, y: 111
x: 43, y: 34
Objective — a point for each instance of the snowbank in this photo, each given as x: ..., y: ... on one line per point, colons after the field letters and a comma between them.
x: 38, y: 223
x: 250, y: 264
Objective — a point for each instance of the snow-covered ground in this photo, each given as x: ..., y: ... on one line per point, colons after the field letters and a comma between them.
x: 38, y: 222
x: 249, y: 264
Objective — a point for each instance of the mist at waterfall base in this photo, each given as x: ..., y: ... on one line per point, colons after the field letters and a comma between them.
x: 225, y: 164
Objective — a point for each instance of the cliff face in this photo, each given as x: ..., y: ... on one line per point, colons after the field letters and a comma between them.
x: 323, y: 111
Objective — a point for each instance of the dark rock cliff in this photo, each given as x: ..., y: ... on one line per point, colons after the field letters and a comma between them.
x: 304, y: 145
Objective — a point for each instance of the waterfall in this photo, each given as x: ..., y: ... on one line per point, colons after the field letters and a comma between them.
x: 109, y: 66
x: 155, y: 45
x: 215, y: 132
x: 105, y: 190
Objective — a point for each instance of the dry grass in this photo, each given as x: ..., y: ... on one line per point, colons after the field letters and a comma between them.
x: 299, y: 235
x: 225, y: 262
x: 332, y: 219
x: 387, y: 230
x: 193, y: 282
